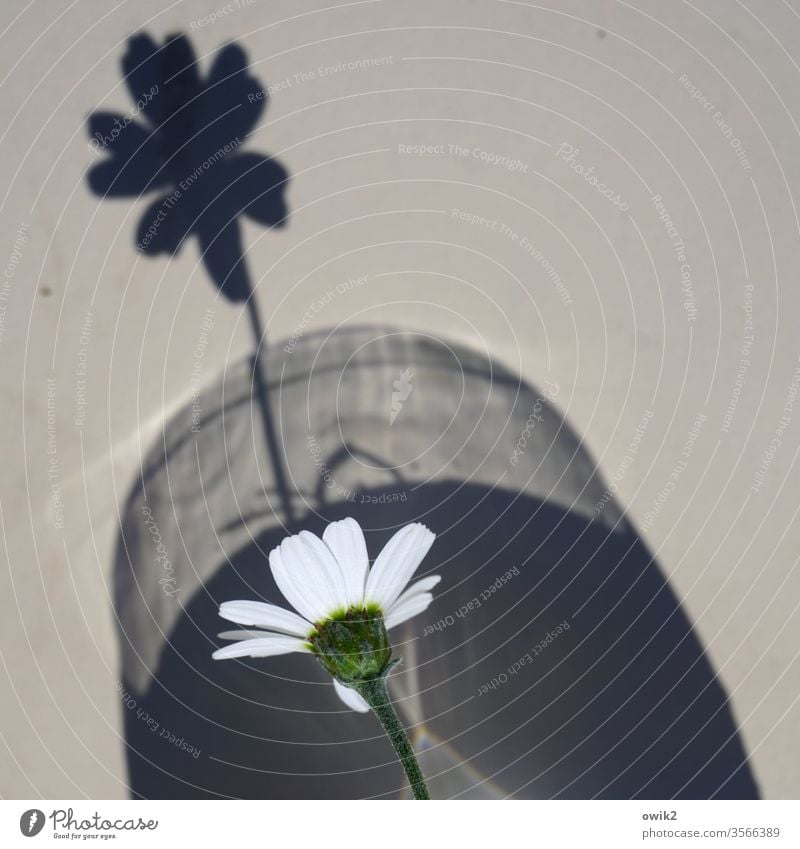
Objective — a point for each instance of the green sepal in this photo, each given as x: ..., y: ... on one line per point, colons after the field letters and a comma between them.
x: 353, y: 646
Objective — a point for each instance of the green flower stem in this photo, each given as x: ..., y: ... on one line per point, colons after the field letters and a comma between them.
x: 373, y: 691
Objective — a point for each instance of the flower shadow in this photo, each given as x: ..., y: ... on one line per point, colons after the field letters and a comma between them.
x: 183, y: 140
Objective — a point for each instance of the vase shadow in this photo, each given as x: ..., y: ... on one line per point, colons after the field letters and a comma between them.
x: 555, y: 661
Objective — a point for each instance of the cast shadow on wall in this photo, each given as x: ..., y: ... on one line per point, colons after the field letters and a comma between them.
x: 616, y: 698
x: 183, y: 140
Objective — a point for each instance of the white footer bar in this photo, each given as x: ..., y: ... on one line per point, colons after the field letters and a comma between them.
x: 376, y: 824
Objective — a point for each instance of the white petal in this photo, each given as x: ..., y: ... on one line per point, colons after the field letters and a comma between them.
x: 331, y: 573
x: 350, y: 697
x: 422, y: 586
x: 296, y: 590
x: 262, y: 647
x: 346, y: 541
x: 397, y: 563
x: 241, y: 634
x: 315, y: 574
x: 264, y: 615
x: 412, y: 606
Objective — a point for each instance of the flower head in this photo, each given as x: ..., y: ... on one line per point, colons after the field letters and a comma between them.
x: 344, y: 608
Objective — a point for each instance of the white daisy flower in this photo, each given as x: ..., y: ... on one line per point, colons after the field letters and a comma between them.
x: 344, y: 608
